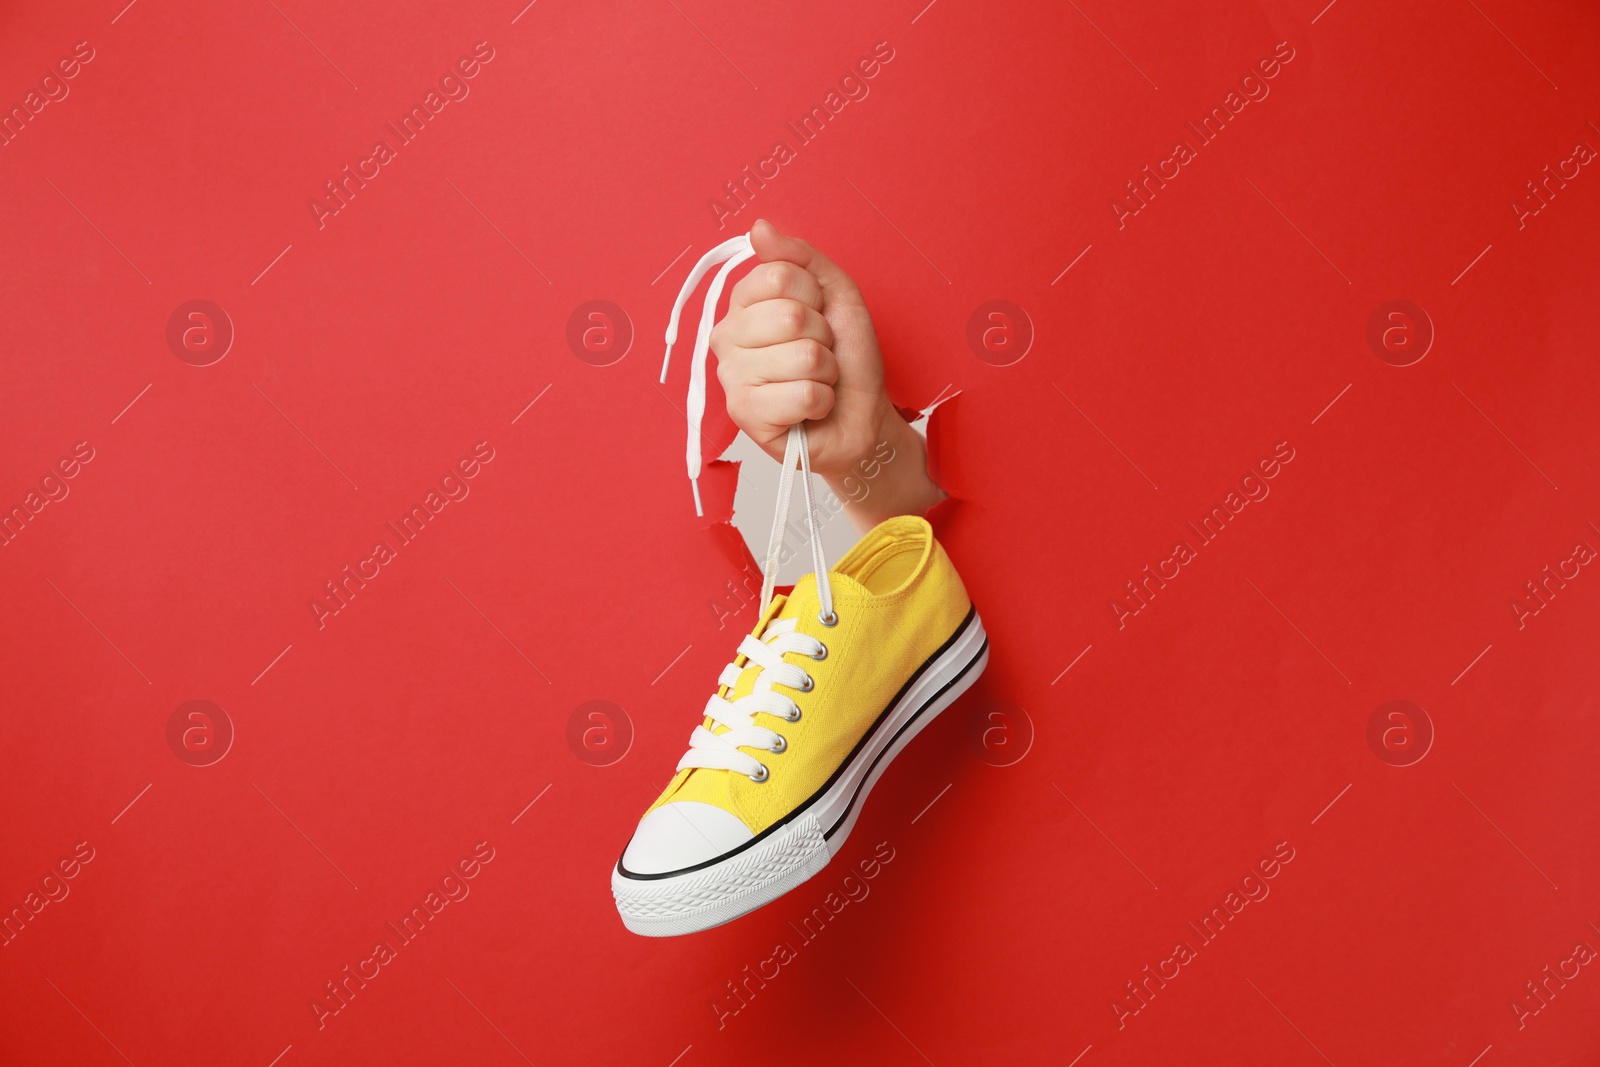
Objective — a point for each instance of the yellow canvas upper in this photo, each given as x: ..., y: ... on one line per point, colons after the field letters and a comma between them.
x: 898, y: 600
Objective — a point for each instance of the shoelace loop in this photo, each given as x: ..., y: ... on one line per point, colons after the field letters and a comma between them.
x: 708, y: 748
x: 730, y: 254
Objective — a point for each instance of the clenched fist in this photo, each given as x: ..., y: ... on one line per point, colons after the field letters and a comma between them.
x: 798, y: 345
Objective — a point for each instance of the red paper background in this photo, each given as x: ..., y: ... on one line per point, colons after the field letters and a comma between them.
x: 375, y: 350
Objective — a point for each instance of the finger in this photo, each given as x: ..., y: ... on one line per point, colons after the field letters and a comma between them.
x: 771, y: 246
x: 772, y: 322
x: 779, y: 279
x: 766, y: 411
x: 792, y: 361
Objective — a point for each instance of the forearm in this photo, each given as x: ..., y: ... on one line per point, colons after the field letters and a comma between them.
x: 892, y: 481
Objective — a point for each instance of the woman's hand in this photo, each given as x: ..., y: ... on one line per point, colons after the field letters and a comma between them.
x: 798, y: 345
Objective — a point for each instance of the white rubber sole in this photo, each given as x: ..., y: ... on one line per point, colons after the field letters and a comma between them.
x: 790, y: 854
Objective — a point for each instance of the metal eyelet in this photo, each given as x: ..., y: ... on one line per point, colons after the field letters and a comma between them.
x: 808, y: 685
x: 779, y: 746
x: 821, y: 653
x: 761, y: 775
x: 830, y: 619
x: 793, y: 716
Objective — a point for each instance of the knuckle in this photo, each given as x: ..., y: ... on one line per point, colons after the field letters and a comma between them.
x: 778, y: 275
x: 816, y: 398
x: 794, y: 316
x: 800, y: 360
x: 812, y: 357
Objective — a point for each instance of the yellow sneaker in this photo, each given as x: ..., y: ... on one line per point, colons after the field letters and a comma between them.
x: 834, y: 680
x: 807, y: 718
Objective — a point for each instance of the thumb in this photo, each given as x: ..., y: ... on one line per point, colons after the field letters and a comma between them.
x: 770, y: 244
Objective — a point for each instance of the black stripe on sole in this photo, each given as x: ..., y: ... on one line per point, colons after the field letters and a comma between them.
x: 828, y: 834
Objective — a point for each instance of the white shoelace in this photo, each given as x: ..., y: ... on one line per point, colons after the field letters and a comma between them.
x: 724, y: 751
x: 707, y: 748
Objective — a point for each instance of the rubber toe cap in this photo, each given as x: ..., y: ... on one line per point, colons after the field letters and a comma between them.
x: 682, y: 834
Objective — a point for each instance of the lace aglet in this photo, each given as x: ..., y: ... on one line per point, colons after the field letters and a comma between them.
x: 665, y: 361
x: 694, y: 483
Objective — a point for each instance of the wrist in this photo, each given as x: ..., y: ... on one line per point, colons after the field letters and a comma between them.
x: 890, y: 479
